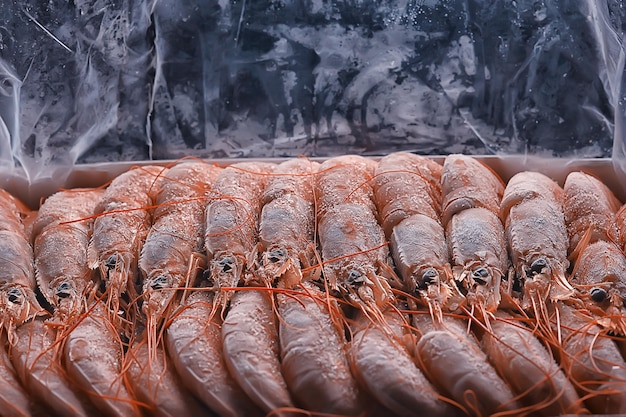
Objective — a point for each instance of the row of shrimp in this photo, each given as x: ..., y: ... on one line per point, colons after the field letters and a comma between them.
x: 351, y: 287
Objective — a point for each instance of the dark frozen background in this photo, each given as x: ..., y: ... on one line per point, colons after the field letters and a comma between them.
x: 113, y: 80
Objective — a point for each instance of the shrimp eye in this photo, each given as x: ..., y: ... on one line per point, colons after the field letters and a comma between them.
x: 355, y: 277
x: 111, y: 262
x: 15, y: 296
x: 276, y: 255
x: 226, y: 264
x: 537, y: 266
x: 159, y: 283
x: 598, y: 294
x: 63, y: 290
x: 429, y: 276
x: 480, y: 275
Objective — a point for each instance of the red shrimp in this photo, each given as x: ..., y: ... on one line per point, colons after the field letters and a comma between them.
x: 537, y: 239
x: 35, y: 358
x: 600, y: 274
x: 419, y: 248
x: 452, y: 359
x: 525, y: 364
x: 313, y: 354
x: 468, y: 183
x: 591, y: 360
x: 65, y: 280
x: 383, y: 364
x: 406, y: 184
x: 353, y: 243
x: 232, y: 224
x: 156, y: 384
x: 479, y: 256
x: 172, y: 252
x: 590, y: 208
x: 14, y: 400
x: 93, y: 354
x: 620, y: 219
x: 194, y: 344
x: 121, y: 225
x: 18, y: 302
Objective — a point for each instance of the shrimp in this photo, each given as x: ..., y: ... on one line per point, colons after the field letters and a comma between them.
x: 34, y: 357
x: 65, y: 280
x: 600, y: 274
x: 232, y: 224
x: 121, y: 225
x: 405, y: 184
x: 171, y: 254
x: 418, y: 246
x: 14, y: 400
x: 591, y: 360
x: 522, y: 360
x: 478, y: 248
x: 287, y: 223
x: 18, y: 302
x: 157, y: 385
x: 468, y: 183
x: 353, y: 243
x: 452, y: 359
x: 194, y: 344
x: 388, y: 371
x: 590, y: 208
x: 313, y: 354
x: 93, y: 354
x: 537, y: 239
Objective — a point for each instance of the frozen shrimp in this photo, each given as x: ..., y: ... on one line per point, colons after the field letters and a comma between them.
x: 14, y: 400
x: 383, y: 364
x: 421, y: 255
x: 120, y: 228
x: 93, y: 354
x: 231, y: 234
x: 591, y: 360
x: 467, y: 183
x: 194, y: 344
x: 452, y: 359
x: 353, y: 243
x: 35, y: 358
x: 600, y: 275
x: 620, y: 219
x: 406, y: 184
x: 480, y: 258
x: 537, y: 238
x: 18, y: 302
x: 313, y: 354
x: 172, y: 253
x: 65, y: 280
x: 590, y: 208
x: 525, y: 364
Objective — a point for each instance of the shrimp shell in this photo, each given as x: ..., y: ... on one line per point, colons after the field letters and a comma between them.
x: 529, y: 185
x: 65, y: 280
x: 406, y: 184
x: 14, y: 400
x: 468, y: 183
x: 590, y: 208
x: 345, y: 180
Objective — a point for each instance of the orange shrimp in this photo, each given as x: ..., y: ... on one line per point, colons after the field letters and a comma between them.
x: 353, y: 243
x: 65, y: 280
x: 14, y: 400
x: 194, y: 344
x: 537, y: 239
x: 620, y: 219
x: 405, y: 184
x: 467, y: 183
x: 34, y: 356
x: 232, y: 224
x: 600, y: 274
x: 590, y: 208
x: 18, y: 302
x: 172, y: 252
x: 383, y: 364
x: 525, y: 364
x: 452, y: 359
x: 591, y: 360
x: 121, y: 225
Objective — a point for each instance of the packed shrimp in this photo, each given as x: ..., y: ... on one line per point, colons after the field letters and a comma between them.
x: 352, y: 287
